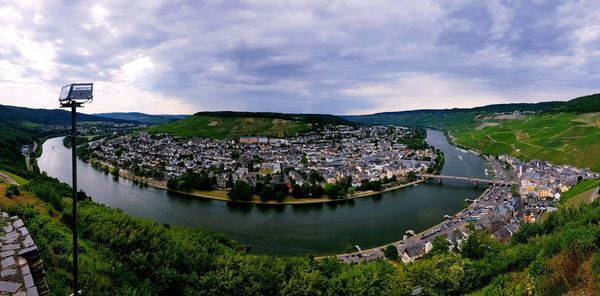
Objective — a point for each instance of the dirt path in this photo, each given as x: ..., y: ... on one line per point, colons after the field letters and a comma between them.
x: 8, y: 179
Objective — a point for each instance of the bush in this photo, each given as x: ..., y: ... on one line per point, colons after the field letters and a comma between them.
x: 12, y: 190
x: 391, y: 252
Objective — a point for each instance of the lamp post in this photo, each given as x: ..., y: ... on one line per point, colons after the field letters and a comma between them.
x: 73, y: 96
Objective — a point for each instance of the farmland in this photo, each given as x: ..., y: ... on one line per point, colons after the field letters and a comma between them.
x: 562, y: 138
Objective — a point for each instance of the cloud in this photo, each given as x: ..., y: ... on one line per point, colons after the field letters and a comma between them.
x: 298, y: 56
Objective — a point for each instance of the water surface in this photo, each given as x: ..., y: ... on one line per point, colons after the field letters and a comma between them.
x: 298, y: 229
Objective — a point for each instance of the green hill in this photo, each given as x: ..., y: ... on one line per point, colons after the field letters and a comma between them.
x: 562, y: 138
x: 450, y: 118
x: 560, y: 132
x: 232, y: 125
x: 21, y: 126
x: 585, y: 104
x: 141, y: 117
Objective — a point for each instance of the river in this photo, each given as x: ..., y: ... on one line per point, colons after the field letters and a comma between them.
x: 293, y: 229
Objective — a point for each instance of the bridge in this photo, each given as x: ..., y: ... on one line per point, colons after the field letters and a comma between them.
x: 469, y: 179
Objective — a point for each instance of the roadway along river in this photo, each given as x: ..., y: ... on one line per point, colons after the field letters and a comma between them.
x: 299, y: 229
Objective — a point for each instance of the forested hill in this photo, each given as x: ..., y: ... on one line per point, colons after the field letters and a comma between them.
x: 142, y: 117
x: 232, y: 125
x: 19, y: 125
x: 46, y: 116
x: 585, y: 104
x: 307, y: 118
x: 447, y: 118
x: 468, y: 117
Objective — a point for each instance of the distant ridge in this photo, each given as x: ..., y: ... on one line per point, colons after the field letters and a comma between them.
x: 452, y: 118
x: 142, y: 117
x: 232, y: 125
x: 46, y: 116
x: 304, y: 117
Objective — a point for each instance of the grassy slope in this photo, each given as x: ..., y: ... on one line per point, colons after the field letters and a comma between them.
x: 562, y: 138
x: 230, y: 127
x: 580, y: 193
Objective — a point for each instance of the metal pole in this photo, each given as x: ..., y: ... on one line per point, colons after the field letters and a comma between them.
x: 74, y: 158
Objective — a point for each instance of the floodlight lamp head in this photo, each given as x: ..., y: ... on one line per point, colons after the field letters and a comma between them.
x: 76, y: 93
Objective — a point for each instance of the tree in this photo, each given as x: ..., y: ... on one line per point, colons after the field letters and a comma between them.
x: 351, y: 191
x: 332, y: 190
x: 266, y: 193
x: 391, y: 252
x: 314, y: 177
x: 297, y: 191
x: 316, y: 191
x: 411, y: 177
x: 440, y: 245
x: 240, y: 191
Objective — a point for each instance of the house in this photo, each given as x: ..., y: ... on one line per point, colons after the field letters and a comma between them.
x: 502, y: 236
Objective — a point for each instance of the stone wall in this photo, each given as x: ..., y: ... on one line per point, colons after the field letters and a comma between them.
x: 22, y: 272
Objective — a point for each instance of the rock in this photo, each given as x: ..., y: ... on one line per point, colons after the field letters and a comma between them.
x: 9, y: 286
x: 32, y: 291
x: 6, y: 253
x: 10, y: 247
x: 28, y: 241
x: 18, y: 224
x: 27, y: 250
x: 21, y: 261
x: 28, y: 280
x: 8, y: 228
x: 25, y: 270
x: 7, y: 262
x: 23, y: 231
x: 8, y: 272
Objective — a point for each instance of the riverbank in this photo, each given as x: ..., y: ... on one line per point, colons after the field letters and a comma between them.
x: 380, y: 248
x: 221, y: 195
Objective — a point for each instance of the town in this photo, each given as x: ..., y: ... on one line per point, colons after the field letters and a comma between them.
x: 384, y: 155
x: 500, y: 210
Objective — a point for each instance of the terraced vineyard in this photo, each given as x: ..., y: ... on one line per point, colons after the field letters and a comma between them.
x: 231, y: 127
x: 563, y: 138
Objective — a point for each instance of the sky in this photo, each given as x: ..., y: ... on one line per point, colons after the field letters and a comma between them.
x: 338, y: 57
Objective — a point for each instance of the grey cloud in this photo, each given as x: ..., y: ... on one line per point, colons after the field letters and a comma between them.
x: 305, y: 56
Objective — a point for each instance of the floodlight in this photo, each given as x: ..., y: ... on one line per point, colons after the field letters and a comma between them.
x: 73, y: 96
x: 76, y: 93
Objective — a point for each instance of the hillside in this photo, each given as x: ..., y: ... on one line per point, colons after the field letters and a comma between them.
x: 561, y: 132
x: 585, y: 104
x: 141, y: 117
x: 232, y: 125
x: 21, y: 126
x: 449, y: 118
x: 562, y: 138
x: 148, y: 258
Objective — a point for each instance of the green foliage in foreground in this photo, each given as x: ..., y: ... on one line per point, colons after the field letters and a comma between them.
x: 231, y: 127
x: 562, y: 138
x: 125, y: 255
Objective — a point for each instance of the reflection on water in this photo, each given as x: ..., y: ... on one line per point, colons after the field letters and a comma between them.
x: 298, y: 229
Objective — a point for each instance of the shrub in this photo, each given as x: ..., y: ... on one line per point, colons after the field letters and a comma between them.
x: 12, y: 190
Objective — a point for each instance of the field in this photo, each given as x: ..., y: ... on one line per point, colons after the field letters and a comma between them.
x: 231, y: 127
x: 562, y: 138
